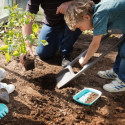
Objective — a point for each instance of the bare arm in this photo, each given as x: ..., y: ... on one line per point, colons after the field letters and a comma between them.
x: 93, y: 47
x: 27, y: 30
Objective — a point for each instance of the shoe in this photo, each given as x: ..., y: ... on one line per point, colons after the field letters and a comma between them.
x: 115, y: 86
x: 2, y: 74
x: 66, y: 59
x: 10, y: 87
x: 108, y: 74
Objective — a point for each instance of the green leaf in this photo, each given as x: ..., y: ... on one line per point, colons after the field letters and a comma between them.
x: 8, y: 57
x: 44, y: 42
x: 31, y: 41
x: 29, y: 37
x: 5, y: 7
x: 35, y: 28
x: 27, y: 21
x: 11, y: 33
x: 16, y: 5
x: 34, y: 36
x: 13, y: 14
x: 22, y: 48
x: 10, y: 24
x: 16, y: 53
x: 4, y: 47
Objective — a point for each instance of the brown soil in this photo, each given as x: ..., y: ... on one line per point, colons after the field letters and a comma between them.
x: 27, y: 61
x: 91, y: 98
x: 37, y: 100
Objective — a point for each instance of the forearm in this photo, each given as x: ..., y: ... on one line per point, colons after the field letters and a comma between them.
x: 93, y: 47
x: 27, y: 30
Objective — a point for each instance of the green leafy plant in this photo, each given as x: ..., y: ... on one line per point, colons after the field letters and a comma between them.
x: 11, y: 33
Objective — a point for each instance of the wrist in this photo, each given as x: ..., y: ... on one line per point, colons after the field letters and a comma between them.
x: 28, y: 43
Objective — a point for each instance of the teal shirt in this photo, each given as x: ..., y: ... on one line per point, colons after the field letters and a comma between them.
x: 109, y: 14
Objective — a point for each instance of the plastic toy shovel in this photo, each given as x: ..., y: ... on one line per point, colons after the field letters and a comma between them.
x: 4, y: 96
x: 3, y: 110
x: 67, y: 74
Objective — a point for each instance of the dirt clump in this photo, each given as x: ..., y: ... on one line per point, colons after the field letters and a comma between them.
x: 27, y: 61
x: 91, y: 97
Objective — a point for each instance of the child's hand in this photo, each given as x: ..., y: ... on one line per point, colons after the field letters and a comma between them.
x: 81, y: 61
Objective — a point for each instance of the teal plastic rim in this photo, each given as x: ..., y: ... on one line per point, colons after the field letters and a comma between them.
x: 85, y: 91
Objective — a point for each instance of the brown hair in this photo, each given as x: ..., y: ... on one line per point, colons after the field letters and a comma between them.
x: 76, y: 10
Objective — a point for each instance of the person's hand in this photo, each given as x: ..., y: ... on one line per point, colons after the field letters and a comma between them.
x: 63, y: 7
x: 30, y: 51
x: 82, y: 61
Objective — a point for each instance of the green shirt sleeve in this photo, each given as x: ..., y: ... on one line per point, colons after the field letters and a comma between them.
x: 100, y: 23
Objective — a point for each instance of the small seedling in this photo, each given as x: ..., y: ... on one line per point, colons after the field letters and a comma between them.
x: 11, y: 33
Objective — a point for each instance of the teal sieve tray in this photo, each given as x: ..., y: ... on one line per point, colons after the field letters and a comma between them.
x: 81, y: 97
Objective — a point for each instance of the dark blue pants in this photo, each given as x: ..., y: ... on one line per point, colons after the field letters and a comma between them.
x: 119, y: 66
x: 58, y: 37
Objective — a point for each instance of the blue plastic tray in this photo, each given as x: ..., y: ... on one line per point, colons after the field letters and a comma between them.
x: 82, y: 96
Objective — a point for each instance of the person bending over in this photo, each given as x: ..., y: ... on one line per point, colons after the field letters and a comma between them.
x: 104, y: 16
x: 54, y: 29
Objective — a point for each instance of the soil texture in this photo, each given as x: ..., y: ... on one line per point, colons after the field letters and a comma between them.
x: 27, y: 61
x: 37, y: 101
x: 91, y: 98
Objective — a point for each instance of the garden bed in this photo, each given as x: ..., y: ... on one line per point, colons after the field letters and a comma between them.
x: 37, y: 101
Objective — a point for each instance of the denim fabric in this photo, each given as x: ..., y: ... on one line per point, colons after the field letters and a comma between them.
x: 119, y: 66
x: 57, y: 37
